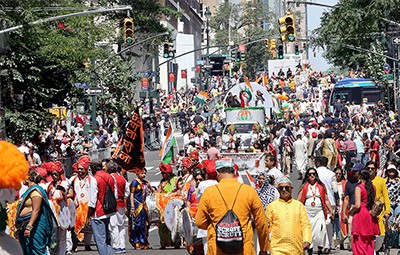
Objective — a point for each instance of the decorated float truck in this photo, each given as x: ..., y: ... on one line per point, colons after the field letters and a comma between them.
x: 239, y: 124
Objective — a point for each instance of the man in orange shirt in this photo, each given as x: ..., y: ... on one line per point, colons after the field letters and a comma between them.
x: 247, y: 206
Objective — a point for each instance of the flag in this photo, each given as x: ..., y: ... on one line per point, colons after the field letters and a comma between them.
x: 129, y: 153
x: 289, y: 139
x: 202, y: 97
x: 253, y: 183
x: 265, y: 80
x: 246, y: 80
x: 167, y: 152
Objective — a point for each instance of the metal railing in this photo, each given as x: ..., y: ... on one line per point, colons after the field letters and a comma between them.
x: 152, y: 139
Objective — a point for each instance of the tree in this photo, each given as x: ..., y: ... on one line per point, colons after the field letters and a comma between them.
x: 44, y: 61
x: 357, y: 23
x: 248, y: 26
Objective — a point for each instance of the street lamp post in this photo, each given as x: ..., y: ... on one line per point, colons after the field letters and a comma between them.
x: 230, y: 43
x: 207, y: 14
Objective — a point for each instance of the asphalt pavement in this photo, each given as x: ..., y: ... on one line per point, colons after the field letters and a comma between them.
x: 153, y: 175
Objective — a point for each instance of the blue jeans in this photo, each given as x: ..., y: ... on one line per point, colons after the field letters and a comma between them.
x: 394, y: 211
x: 102, y: 236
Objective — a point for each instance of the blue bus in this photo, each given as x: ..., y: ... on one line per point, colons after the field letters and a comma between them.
x: 357, y: 90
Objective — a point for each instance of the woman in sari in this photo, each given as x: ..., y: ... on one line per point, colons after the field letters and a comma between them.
x: 36, y: 224
x: 138, y: 217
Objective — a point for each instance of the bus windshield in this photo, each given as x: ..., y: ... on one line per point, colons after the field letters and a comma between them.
x: 356, y: 90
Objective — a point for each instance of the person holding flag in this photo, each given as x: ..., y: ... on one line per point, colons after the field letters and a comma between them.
x: 167, y: 149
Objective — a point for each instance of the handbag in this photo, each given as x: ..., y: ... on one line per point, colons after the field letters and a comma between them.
x: 377, y: 208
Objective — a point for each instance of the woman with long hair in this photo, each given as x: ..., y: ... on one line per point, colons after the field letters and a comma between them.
x: 313, y: 195
x: 36, y: 223
x: 374, y: 151
x: 365, y: 226
x: 138, y: 219
x: 340, y: 229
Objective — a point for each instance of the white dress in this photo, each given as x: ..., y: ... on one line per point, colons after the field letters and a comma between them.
x: 316, y: 216
x: 300, y: 155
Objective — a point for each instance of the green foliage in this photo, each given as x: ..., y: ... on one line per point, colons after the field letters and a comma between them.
x: 356, y: 23
x: 246, y: 23
x: 43, y: 61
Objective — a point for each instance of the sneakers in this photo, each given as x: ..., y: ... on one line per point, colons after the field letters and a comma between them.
x: 119, y: 251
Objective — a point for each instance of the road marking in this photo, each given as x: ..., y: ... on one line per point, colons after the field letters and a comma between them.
x: 158, y: 173
x: 152, y: 229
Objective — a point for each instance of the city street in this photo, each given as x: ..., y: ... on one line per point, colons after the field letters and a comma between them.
x: 152, y: 162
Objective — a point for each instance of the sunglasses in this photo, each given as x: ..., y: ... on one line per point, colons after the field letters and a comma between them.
x: 287, y: 188
x: 199, y: 180
x: 338, y: 173
x: 370, y: 168
x: 313, y: 174
x: 261, y: 178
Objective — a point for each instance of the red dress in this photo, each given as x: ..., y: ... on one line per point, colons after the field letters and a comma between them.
x: 374, y: 155
x: 365, y: 227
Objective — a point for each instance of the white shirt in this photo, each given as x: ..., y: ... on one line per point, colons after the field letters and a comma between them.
x: 275, y: 173
x: 328, y: 179
x: 200, y: 190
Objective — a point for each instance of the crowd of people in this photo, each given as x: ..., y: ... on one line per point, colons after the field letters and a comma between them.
x: 346, y: 160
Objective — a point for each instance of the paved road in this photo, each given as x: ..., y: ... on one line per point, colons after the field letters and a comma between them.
x: 152, y: 162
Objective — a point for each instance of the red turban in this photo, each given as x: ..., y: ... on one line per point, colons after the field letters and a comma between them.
x: 209, y: 165
x: 165, y: 168
x: 84, y: 161
x: 194, y: 155
x: 186, y: 162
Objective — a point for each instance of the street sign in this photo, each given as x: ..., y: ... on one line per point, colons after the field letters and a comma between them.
x: 94, y: 91
x: 200, y: 62
x: 386, y: 68
x: 388, y: 76
x: 396, y: 40
x: 81, y: 85
x: 208, y: 66
x: 145, y: 83
x: 227, y: 61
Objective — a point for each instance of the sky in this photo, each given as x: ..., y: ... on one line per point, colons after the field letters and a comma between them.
x: 314, y: 15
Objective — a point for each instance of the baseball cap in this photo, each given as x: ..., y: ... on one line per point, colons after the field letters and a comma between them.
x: 357, y: 167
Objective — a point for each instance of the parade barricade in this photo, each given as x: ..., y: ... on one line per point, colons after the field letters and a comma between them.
x: 152, y: 139
x: 104, y: 153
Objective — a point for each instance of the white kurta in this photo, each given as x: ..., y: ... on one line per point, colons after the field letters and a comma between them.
x: 300, y: 155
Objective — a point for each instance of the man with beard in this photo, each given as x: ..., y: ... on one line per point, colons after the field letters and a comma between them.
x: 80, y: 189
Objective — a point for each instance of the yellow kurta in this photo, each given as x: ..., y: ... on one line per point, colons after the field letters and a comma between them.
x: 382, y: 195
x: 289, y: 227
x: 248, y: 205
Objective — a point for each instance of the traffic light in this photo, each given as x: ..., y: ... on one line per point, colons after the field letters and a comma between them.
x: 243, y: 56
x: 287, y: 28
x: 296, y: 49
x: 272, y: 45
x: 238, y: 56
x: 166, y: 50
x: 280, y: 51
x: 128, y: 30
x: 266, y: 42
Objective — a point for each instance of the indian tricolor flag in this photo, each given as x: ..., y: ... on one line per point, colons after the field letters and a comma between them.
x: 167, y: 152
x: 202, y: 97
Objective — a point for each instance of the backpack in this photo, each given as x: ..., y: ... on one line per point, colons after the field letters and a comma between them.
x: 110, y: 202
x: 229, y: 234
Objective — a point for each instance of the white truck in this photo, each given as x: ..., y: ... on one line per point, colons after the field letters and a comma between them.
x: 243, y: 119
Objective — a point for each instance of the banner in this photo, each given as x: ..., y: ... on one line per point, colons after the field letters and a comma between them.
x: 129, y: 153
x: 251, y: 162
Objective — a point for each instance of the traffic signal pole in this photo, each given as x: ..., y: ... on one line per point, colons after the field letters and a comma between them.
x: 70, y: 15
